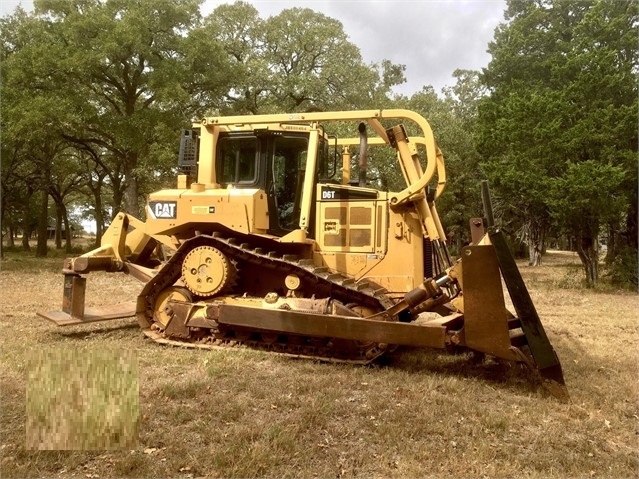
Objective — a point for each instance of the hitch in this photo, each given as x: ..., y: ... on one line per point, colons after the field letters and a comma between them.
x: 73, y: 308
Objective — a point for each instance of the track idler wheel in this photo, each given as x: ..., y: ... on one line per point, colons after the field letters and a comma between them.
x: 206, y: 271
x: 162, y: 314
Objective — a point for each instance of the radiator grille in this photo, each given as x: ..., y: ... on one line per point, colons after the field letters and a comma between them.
x: 360, y: 237
x: 336, y: 213
x: 336, y: 240
x: 360, y: 216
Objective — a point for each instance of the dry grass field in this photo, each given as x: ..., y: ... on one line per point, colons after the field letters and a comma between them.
x: 241, y: 413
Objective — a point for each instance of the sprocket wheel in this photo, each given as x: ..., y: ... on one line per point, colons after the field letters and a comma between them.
x: 207, y: 271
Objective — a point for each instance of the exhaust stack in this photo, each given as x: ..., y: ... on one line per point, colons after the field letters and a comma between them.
x: 363, y: 153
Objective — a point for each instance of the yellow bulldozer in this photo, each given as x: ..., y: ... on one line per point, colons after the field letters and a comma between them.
x: 267, y: 242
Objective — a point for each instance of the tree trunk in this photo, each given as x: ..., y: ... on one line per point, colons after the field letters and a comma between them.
x: 589, y: 256
x: 532, y: 235
x: 67, y: 228
x: 534, y: 254
x: 43, y: 223
x: 2, y: 223
x: 26, y: 234
x: 118, y: 199
x: 58, y: 227
x: 131, y: 203
x: 96, y: 190
x: 99, y: 226
x: 611, y: 246
x: 99, y: 218
x: 12, y: 236
x: 632, y: 222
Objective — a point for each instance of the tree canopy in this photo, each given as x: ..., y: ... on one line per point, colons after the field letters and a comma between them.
x: 95, y: 93
x: 295, y: 61
x: 116, y: 80
x: 561, y: 110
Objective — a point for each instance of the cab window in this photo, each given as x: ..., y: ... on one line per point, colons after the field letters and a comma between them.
x: 237, y: 160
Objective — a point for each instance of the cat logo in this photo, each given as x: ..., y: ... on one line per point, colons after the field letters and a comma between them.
x: 163, y: 209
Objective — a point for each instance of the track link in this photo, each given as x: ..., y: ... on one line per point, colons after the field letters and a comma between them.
x: 317, y: 278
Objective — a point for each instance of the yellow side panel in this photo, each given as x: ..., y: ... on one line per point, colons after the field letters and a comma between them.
x: 365, y: 240
x: 348, y: 226
x: 243, y: 210
x: 398, y: 267
x: 402, y: 267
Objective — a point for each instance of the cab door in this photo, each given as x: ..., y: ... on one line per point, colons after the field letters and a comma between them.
x: 286, y: 170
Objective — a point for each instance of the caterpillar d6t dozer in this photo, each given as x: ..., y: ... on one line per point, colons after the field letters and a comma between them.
x: 267, y: 242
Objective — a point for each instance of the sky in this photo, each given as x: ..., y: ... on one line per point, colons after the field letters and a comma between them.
x: 432, y: 38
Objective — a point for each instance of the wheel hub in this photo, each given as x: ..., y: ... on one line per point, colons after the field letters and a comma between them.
x: 206, y: 271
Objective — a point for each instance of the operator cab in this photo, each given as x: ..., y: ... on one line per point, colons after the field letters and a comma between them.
x: 271, y: 160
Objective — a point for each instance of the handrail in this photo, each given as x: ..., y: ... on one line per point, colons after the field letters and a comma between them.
x: 413, y: 189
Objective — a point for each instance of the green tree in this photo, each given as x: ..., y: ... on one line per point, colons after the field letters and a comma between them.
x: 113, y: 81
x: 295, y: 61
x: 32, y: 111
x: 452, y: 119
x: 240, y: 31
x: 458, y: 142
x: 65, y: 180
x: 605, y: 68
x: 562, y: 90
x: 136, y: 78
x: 582, y: 210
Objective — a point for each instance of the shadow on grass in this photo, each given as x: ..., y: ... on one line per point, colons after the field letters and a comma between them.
x: 86, y: 333
x: 464, y: 365
x: 461, y: 364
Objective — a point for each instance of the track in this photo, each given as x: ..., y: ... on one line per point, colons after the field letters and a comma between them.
x: 315, y: 280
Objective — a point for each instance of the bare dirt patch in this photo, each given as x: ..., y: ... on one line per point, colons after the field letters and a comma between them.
x: 240, y: 413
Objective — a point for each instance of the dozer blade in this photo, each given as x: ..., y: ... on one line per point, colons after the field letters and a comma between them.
x: 546, y: 360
